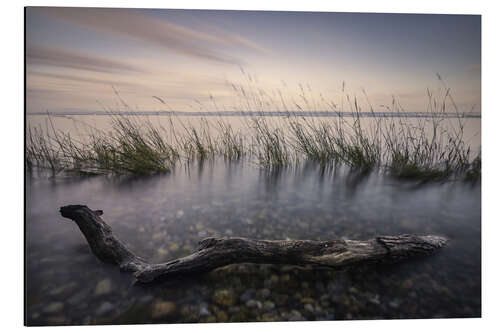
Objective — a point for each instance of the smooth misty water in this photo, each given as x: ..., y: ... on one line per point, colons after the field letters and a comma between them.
x: 163, y: 217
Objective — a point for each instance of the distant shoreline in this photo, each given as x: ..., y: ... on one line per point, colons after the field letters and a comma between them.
x: 260, y: 114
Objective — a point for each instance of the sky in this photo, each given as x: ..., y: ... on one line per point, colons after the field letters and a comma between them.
x: 94, y: 59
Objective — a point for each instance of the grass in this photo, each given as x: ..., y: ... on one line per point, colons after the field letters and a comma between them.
x: 408, y: 148
x: 130, y: 147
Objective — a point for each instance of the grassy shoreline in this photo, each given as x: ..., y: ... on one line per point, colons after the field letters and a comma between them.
x: 395, y: 146
x: 405, y: 147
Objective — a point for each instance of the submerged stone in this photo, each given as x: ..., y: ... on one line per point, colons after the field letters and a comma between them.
x: 224, y: 297
x: 104, y: 308
x: 103, y: 287
x: 54, y: 307
x: 163, y: 309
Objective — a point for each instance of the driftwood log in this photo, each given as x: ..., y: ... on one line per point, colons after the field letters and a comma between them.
x: 218, y: 252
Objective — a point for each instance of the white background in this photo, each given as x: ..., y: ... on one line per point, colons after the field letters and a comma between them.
x: 11, y: 157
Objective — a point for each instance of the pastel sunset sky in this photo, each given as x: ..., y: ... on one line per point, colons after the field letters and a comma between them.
x: 190, y: 60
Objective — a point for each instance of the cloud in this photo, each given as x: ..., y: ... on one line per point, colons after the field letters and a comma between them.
x: 158, y: 32
x: 50, y: 56
x: 78, y: 78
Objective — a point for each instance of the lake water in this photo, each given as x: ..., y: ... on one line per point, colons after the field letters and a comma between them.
x: 163, y: 217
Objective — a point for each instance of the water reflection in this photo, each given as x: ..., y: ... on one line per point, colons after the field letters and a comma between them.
x: 164, y: 217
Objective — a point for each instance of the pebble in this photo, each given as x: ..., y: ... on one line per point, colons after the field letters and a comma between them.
x: 163, y: 309
x: 103, y: 287
x: 307, y: 300
x: 59, y: 320
x: 309, y: 307
x: 204, y: 310
x: 54, y: 307
x: 158, y: 236
x: 222, y: 316
x: 375, y: 299
x: 394, y: 304
x: 78, y: 298
x: 247, y: 295
x: 62, y: 289
x: 268, y: 305
x: 253, y: 304
x: 295, y: 316
x: 161, y: 252
x: 224, y: 297
x: 104, y: 308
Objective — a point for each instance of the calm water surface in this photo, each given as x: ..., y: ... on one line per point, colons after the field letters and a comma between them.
x: 164, y: 217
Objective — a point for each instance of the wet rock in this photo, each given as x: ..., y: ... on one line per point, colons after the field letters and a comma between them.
x: 54, y: 307
x: 104, y: 308
x: 59, y: 320
x: 309, y: 307
x: 204, y: 310
x: 224, y: 297
x: 394, y: 303
x: 211, y: 319
x: 63, y: 289
x: 295, y: 316
x: 163, y: 309
x: 307, y: 300
x: 268, y: 305
x: 103, y: 287
x: 162, y: 252
x: 239, y: 317
x: 269, y: 317
x: 253, y: 304
x: 159, y: 236
x: 247, y: 295
x: 375, y: 299
x: 78, y: 298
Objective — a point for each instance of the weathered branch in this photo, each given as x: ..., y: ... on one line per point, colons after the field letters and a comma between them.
x: 218, y: 252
